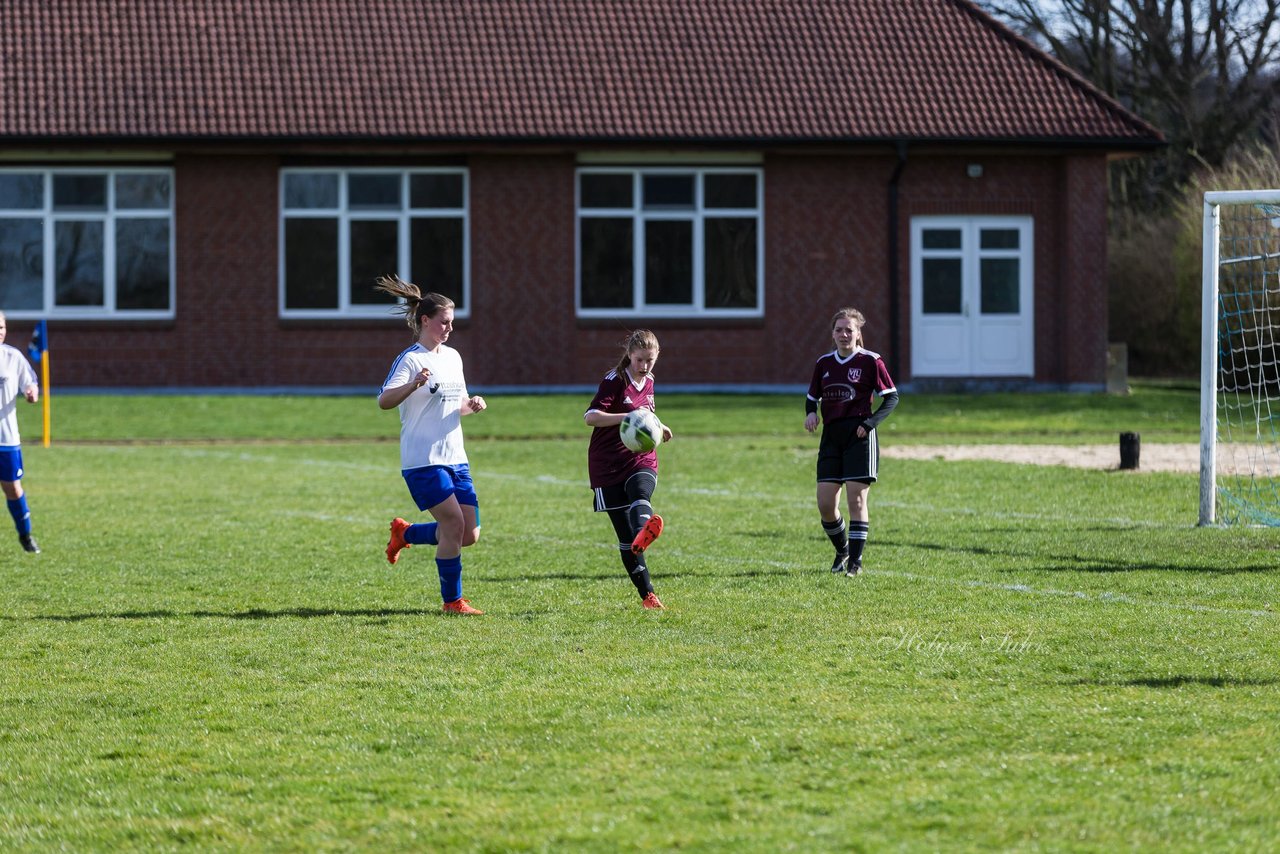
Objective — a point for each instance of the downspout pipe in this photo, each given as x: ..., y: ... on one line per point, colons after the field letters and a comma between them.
x: 895, y: 274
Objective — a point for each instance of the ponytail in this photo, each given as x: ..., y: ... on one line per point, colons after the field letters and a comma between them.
x: 416, y: 305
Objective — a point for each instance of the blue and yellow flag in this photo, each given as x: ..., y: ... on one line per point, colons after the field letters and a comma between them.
x: 39, y: 342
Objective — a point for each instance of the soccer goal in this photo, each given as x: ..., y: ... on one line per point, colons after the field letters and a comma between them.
x: 1240, y: 359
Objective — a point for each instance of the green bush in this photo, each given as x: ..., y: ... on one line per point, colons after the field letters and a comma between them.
x: 1154, y: 268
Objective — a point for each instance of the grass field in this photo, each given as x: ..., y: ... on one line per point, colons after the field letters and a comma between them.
x: 212, y: 654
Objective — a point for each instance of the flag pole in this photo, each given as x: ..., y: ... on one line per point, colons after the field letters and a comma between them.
x: 38, y: 350
x: 44, y: 398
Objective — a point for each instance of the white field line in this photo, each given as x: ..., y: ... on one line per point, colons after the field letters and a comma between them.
x: 668, y: 489
x: 1105, y: 597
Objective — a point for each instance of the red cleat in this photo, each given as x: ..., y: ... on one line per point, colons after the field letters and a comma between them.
x: 396, y: 543
x: 459, y: 606
x: 650, y: 532
x: 651, y: 602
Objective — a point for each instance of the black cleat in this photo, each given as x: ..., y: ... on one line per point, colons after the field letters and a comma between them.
x: 29, y: 543
x: 853, y: 570
x: 840, y: 565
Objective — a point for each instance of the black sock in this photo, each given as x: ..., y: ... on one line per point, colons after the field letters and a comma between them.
x: 637, y: 569
x: 839, y: 536
x: 857, y: 541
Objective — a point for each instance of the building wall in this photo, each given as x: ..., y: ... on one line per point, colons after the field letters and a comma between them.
x: 1067, y: 198
x: 826, y: 233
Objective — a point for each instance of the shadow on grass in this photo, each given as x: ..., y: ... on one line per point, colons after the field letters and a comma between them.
x: 1180, y: 681
x: 251, y: 614
x: 1075, y: 563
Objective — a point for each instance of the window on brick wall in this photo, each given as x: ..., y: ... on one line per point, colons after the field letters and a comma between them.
x: 679, y: 242
x: 343, y: 228
x: 86, y: 243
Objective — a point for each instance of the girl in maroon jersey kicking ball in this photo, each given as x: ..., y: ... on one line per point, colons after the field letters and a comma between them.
x: 623, y: 480
x: 844, y: 383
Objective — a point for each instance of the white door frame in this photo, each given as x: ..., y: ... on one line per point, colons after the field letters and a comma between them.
x: 957, y: 338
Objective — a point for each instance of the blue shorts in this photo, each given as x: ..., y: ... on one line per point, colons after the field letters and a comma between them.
x: 11, y: 464
x: 430, y: 485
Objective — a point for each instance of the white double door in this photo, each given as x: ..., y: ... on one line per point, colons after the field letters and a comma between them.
x: 971, y: 297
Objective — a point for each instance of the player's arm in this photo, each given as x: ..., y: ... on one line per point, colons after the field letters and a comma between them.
x: 598, y: 414
x: 393, y: 396
x: 811, y: 417
x: 596, y: 418
x: 810, y: 414
x: 887, y: 404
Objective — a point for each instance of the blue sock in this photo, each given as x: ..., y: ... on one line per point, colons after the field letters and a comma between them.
x: 424, y: 534
x: 21, y: 515
x: 450, y: 569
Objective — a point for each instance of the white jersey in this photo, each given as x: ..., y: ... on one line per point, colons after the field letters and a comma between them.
x: 431, y: 416
x: 15, y: 376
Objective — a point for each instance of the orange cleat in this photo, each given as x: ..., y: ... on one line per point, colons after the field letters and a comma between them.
x: 650, y: 532
x: 651, y: 602
x: 396, y: 543
x: 459, y: 606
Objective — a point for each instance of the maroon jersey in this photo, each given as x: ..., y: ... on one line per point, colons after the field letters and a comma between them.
x: 845, y: 386
x: 609, y: 461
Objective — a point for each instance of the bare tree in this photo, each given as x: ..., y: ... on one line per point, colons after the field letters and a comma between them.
x: 1203, y: 71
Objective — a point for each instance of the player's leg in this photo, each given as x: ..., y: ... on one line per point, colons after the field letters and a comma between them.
x: 830, y: 480
x: 859, y: 523
x: 646, y: 526
x: 465, y: 491
x: 429, y: 486
x: 451, y: 527
x: 860, y: 468
x: 15, y: 498
x: 832, y: 524
x: 634, y: 564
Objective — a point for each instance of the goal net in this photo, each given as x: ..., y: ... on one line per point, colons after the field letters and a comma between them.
x: 1240, y: 359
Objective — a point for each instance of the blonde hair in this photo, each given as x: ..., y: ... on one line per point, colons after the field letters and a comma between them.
x: 416, y: 305
x: 640, y: 339
x: 856, y: 317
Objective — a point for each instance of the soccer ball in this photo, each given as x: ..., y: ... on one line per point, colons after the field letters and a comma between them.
x: 640, y: 431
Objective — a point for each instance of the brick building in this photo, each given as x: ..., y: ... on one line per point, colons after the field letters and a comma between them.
x: 199, y: 194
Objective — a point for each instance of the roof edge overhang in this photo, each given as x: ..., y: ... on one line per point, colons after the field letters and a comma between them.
x: 80, y: 142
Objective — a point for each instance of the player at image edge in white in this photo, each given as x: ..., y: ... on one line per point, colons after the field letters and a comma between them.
x: 16, y: 380
x: 427, y: 385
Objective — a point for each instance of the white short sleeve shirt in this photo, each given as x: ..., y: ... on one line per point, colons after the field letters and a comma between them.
x: 431, y: 416
x: 15, y: 376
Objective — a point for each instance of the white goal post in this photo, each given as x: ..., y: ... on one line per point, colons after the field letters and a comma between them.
x: 1240, y: 359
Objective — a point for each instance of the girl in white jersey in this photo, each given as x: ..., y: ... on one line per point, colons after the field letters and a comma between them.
x: 427, y: 385
x: 16, y: 380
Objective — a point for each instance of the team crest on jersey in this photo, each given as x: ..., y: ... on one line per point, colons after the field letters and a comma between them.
x: 855, y: 374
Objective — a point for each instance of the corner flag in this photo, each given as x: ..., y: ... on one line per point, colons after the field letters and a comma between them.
x: 38, y: 350
x: 39, y: 342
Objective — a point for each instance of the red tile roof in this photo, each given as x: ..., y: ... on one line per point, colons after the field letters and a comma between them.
x: 563, y: 70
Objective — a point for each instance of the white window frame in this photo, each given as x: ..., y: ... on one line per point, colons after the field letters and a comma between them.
x: 345, y: 216
x: 696, y: 308
x: 108, y: 217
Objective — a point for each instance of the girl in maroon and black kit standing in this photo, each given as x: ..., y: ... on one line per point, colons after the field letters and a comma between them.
x: 845, y: 382
x: 622, y: 480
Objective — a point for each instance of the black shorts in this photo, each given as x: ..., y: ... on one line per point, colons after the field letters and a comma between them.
x: 619, y: 496
x: 843, y: 456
